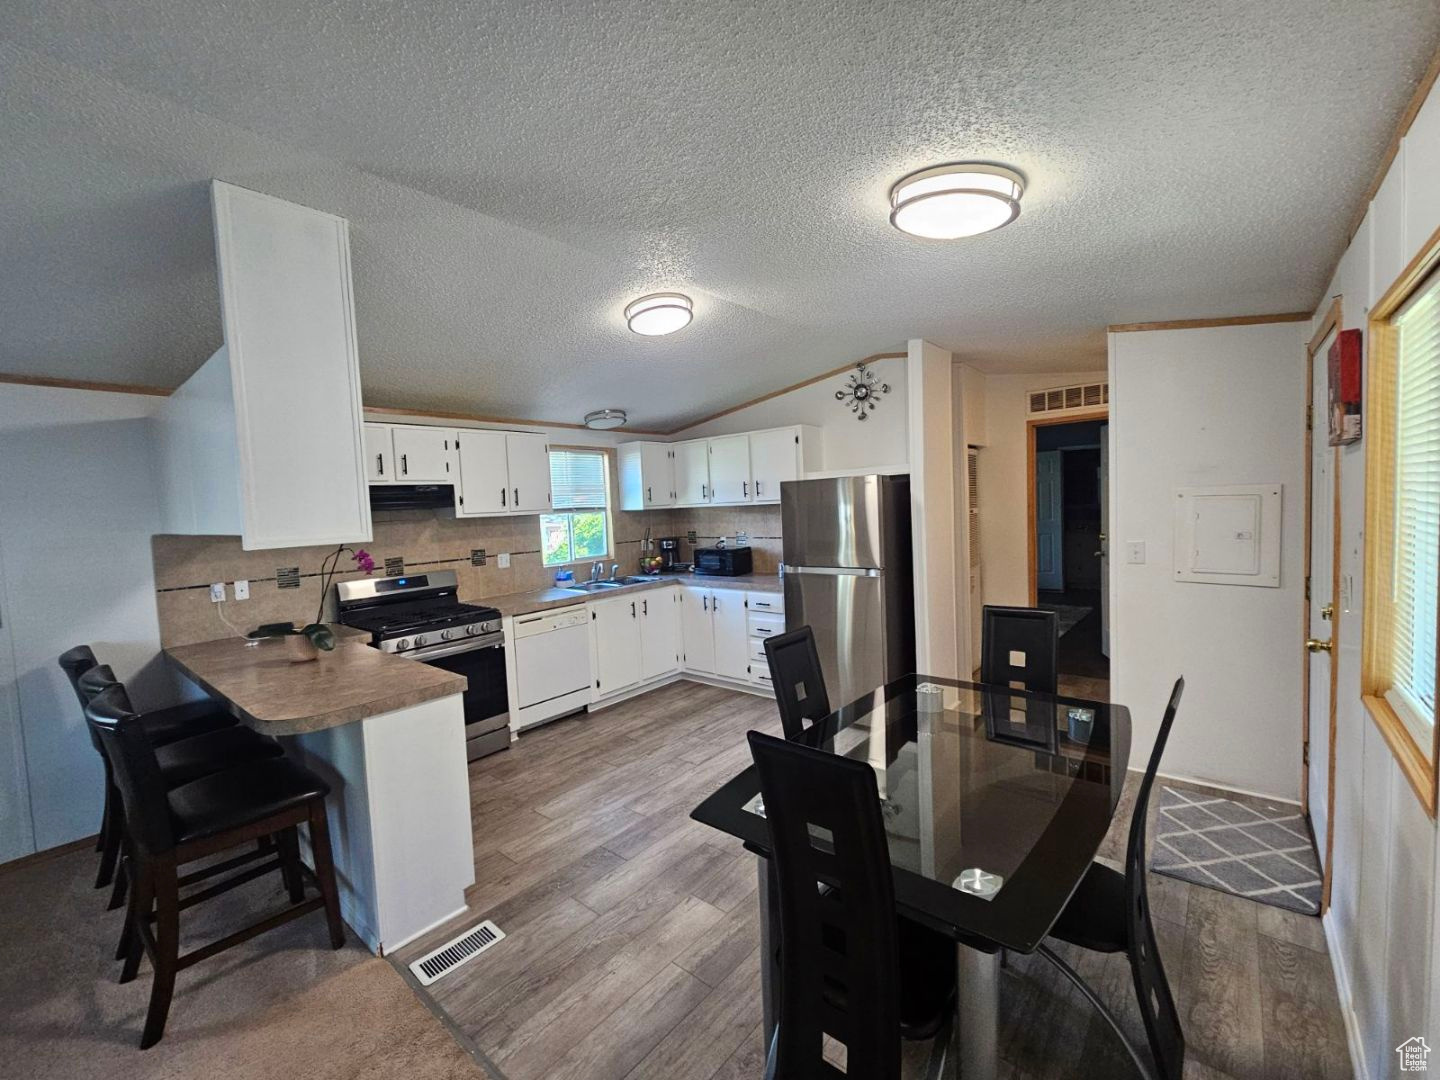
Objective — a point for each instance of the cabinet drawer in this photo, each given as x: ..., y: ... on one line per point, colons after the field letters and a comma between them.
x: 766, y: 601
x: 760, y: 675
x: 757, y: 651
x: 762, y: 625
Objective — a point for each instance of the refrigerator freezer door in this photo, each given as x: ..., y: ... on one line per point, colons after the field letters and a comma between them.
x: 846, y: 611
x: 835, y: 522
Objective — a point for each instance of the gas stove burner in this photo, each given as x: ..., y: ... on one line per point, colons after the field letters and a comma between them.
x: 415, y: 612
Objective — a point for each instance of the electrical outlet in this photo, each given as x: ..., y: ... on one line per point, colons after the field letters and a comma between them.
x: 503, y: 560
x: 242, y: 590
x: 217, y: 592
x: 1135, y: 552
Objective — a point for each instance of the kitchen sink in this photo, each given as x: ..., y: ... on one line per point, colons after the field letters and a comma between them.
x: 593, y: 586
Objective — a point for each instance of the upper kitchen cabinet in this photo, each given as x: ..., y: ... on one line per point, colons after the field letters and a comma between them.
x: 502, y: 472
x: 379, y: 453
x: 723, y: 470
x: 692, y: 472
x: 264, y: 441
x: 423, y: 455
x: 647, y: 475
x: 781, y: 454
x: 730, y: 470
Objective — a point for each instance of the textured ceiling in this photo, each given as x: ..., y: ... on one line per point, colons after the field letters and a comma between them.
x: 514, y: 172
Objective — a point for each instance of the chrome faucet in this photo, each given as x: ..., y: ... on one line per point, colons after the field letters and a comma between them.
x: 596, y: 569
x: 614, y: 570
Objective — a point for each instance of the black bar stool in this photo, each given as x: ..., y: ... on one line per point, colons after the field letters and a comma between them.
x: 168, y: 828
x: 163, y: 726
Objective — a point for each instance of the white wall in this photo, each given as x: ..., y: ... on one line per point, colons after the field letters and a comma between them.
x: 880, y: 443
x: 1221, y: 405
x: 1004, y: 504
x: 78, y: 505
x: 1382, y: 922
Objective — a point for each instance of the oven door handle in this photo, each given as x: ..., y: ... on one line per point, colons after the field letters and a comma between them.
x: 436, y: 652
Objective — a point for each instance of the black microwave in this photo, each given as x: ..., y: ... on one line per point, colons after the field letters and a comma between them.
x: 723, y: 561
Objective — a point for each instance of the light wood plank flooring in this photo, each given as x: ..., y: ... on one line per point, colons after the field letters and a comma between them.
x: 633, y: 942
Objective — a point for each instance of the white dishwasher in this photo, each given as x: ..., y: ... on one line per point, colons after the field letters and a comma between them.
x: 552, y: 665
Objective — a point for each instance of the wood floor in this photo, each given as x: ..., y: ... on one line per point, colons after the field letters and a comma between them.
x: 633, y: 943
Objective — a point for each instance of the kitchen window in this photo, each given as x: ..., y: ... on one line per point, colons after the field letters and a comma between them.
x: 1402, y: 580
x: 578, y: 528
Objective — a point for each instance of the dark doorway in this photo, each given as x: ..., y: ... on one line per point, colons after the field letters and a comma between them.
x: 1070, y: 525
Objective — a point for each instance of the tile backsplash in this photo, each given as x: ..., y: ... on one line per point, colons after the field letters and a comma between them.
x: 410, y: 541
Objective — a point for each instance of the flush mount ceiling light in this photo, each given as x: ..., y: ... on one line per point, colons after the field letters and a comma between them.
x: 659, y: 313
x: 605, y: 419
x: 951, y: 201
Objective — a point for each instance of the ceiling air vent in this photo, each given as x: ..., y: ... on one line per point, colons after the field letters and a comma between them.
x: 1067, y: 398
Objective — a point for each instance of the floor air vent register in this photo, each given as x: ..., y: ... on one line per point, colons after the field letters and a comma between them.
x: 456, y: 951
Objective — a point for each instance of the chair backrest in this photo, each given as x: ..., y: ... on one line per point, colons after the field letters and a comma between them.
x: 799, y: 682
x: 75, y: 662
x: 137, y: 774
x: 1157, y: 1005
x: 838, y: 950
x: 1020, y: 645
x: 96, y: 681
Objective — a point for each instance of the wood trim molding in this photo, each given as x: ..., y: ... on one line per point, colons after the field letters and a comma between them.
x: 785, y: 390
x: 84, y: 843
x: 1201, y: 324
x: 1402, y: 128
x: 1078, y: 417
x: 479, y: 418
x: 84, y: 384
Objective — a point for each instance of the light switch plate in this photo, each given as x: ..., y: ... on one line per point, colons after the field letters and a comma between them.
x: 242, y: 590
x: 217, y: 592
x: 1135, y: 552
x: 503, y: 560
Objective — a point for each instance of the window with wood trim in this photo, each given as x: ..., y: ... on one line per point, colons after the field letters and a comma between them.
x: 578, y: 527
x: 1402, y: 593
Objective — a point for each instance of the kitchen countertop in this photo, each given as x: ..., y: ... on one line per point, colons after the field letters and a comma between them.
x: 264, y: 688
x: 522, y: 603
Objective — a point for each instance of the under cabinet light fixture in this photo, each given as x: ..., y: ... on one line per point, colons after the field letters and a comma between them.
x: 659, y: 313
x: 605, y: 419
x: 950, y: 201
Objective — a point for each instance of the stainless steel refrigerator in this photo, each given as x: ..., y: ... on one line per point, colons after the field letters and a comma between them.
x: 847, y: 573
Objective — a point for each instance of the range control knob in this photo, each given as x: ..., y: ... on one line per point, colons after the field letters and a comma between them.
x: 446, y: 635
x: 420, y: 639
x: 474, y: 628
x: 402, y: 644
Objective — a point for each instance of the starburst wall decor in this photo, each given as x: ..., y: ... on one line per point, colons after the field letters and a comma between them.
x: 862, y: 391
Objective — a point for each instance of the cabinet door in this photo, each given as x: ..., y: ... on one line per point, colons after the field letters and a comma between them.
x: 615, y: 639
x: 379, y: 469
x: 484, y: 477
x: 659, y: 632
x: 692, y: 472
x: 424, y: 455
x: 697, y: 630
x: 657, y: 469
x: 774, y: 456
x: 730, y: 469
x: 732, y: 643
x: 529, y: 473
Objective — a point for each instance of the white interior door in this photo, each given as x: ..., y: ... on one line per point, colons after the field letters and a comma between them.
x: 1105, y: 539
x: 1049, y: 521
x: 1321, y: 607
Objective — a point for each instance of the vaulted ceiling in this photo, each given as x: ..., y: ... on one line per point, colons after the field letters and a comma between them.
x: 515, y: 172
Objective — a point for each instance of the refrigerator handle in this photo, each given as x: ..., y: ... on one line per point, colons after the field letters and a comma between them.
x: 831, y: 571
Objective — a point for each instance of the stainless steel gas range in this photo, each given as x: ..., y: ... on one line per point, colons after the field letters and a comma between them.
x: 418, y: 617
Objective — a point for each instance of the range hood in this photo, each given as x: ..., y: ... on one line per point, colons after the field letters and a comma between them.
x: 412, y: 497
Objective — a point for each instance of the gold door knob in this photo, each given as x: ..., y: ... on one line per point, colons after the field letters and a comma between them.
x: 1318, y: 646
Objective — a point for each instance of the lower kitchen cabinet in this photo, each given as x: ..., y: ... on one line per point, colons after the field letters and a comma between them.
x: 698, y: 630
x: 615, y: 641
x: 659, y: 633
x: 715, y: 638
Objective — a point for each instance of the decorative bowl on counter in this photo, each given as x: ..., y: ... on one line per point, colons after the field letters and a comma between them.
x: 651, y: 564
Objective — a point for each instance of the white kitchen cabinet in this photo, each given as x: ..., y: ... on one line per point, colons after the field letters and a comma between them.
x: 615, y: 643
x: 692, y: 472
x: 660, y: 636
x: 697, y: 630
x: 529, y: 460
x: 264, y: 441
x: 730, y: 470
x: 782, y: 454
x: 423, y: 455
x: 647, y: 475
x: 484, y: 486
x: 379, y: 451
x: 732, y: 644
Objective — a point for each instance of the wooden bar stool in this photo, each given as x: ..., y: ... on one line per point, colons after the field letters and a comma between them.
x: 163, y: 726
x: 168, y: 828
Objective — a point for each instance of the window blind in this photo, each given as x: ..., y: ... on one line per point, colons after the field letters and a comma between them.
x: 577, y: 480
x: 1416, y: 558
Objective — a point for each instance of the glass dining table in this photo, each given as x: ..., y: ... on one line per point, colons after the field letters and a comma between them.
x: 995, y: 801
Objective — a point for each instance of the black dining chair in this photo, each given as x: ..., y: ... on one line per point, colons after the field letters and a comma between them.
x: 1110, y: 913
x: 163, y: 726
x: 799, y: 682
x: 1020, y: 645
x: 849, y: 967
x: 167, y: 828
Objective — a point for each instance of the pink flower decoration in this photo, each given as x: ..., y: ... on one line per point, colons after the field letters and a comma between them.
x: 364, y: 561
